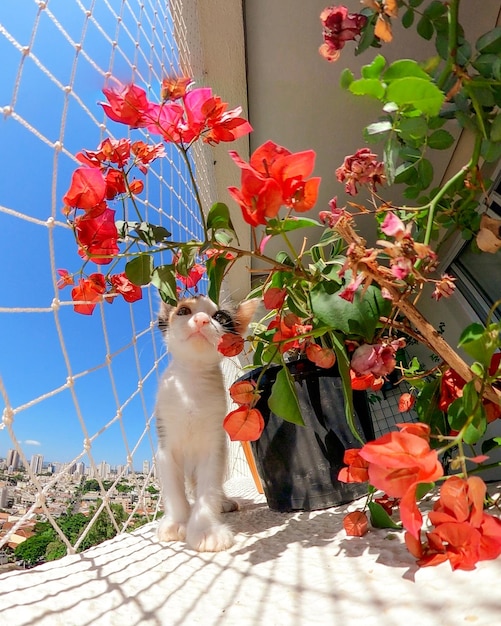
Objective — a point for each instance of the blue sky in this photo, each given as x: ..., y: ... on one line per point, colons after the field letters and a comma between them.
x: 32, y: 354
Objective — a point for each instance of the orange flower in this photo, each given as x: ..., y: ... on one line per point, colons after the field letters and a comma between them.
x: 244, y: 392
x: 398, y: 462
x: 356, y: 472
x: 463, y: 533
x: 244, y: 424
x: 322, y: 357
x: 406, y: 402
x: 66, y: 279
x: 230, y: 344
x: 367, y: 381
x: 356, y: 524
x: 175, y: 87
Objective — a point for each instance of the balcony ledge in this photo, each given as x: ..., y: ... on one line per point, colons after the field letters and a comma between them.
x: 285, y: 568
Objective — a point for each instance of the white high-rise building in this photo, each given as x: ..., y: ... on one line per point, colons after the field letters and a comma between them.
x: 12, y: 459
x: 36, y: 463
x: 146, y: 467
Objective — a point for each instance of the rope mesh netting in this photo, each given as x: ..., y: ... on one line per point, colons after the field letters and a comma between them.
x: 80, y: 390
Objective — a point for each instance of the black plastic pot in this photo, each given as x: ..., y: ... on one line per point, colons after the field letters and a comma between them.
x: 299, y: 465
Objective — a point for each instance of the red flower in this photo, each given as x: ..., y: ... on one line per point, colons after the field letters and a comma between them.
x: 87, y: 188
x: 289, y: 327
x: 113, y: 150
x: 230, y: 344
x: 275, y: 177
x: 97, y: 236
x: 339, y: 26
x: 66, y: 279
x: 129, y: 291
x: 115, y: 183
x: 274, y: 297
x: 88, y: 293
x: 207, y: 112
x: 244, y: 424
x: 165, y: 119
x: 365, y: 381
x: 194, y: 276
x: 361, y: 168
x: 451, y: 388
x: 259, y: 198
x: 126, y: 104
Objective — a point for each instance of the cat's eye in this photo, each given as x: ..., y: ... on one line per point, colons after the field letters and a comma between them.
x: 225, y: 319
x: 183, y: 310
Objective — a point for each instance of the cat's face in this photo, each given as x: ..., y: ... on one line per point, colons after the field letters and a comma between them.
x: 195, y: 326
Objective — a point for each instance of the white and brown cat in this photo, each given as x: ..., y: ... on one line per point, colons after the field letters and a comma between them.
x: 190, y: 409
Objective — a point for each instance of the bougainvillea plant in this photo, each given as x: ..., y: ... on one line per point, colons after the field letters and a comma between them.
x: 336, y: 299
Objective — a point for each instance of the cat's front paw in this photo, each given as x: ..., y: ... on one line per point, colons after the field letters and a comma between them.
x: 171, y: 531
x: 228, y: 505
x: 213, y: 539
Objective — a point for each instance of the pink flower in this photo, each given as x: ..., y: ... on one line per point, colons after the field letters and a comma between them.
x: 350, y: 290
x: 377, y: 359
x: 361, y: 168
x: 126, y: 104
x: 331, y: 218
x: 392, y: 225
x: 444, y: 287
x: 339, y: 26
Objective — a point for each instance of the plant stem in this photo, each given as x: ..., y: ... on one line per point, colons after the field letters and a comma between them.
x: 453, y: 21
x: 184, y: 152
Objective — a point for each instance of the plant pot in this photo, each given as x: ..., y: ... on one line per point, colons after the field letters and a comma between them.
x: 299, y: 465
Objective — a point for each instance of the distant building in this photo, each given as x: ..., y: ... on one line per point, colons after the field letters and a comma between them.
x: 146, y: 467
x: 36, y: 463
x: 12, y: 460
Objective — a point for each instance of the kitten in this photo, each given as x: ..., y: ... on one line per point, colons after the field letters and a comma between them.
x: 190, y: 409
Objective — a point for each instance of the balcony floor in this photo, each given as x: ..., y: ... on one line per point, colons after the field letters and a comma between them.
x: 285, y: 569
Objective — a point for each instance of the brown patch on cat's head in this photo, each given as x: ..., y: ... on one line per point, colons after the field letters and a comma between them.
x: 244, y: 314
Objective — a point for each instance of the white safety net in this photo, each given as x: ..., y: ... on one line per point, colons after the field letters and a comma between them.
x: 78, y: 391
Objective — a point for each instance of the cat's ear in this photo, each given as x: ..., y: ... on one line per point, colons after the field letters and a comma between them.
x: 244, y: 314
x: 164, y: 316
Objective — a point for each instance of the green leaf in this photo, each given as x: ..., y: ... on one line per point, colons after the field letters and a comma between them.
x: 425, y: 173
x: 405, y: 173
x: 416, y: 93
x: 495, y: 134
x: 408, y: 18
x: 491, y: 150
x: 164, y: 279
x: 486, y: 65
x: 151, y: 234
x: 275, y: 227
x: 216, y: 267
x: 490, y: 43
x: 440, y: 140
x: 380, y: 518
x: 425, y: 28
x: 186, y: 259
x: 491, y: 444
x: 346, y: 78
x: 403, y: 68
x: 219, y: 217
x: 375, y: 68
x: 283, y: 399
x: 139, y: 270
x: 390, y: 155
x: 479, y: 342
x: 359, y: 318
x: 368, y: 87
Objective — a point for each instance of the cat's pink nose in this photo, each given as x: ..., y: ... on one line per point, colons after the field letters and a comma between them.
x: 201, y: 319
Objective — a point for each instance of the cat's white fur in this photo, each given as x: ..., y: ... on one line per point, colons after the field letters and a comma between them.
x: 190, y: 409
